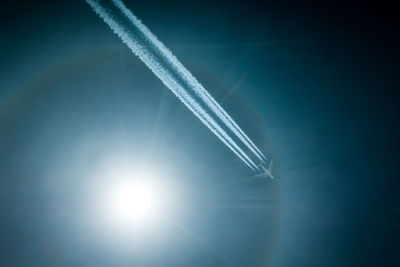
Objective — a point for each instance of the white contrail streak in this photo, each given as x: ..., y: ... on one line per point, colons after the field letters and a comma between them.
x: 195, y: 85
x: 171, y: 72
x: 112, y: 18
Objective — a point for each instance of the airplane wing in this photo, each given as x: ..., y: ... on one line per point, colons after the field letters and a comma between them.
x: 271, y: 165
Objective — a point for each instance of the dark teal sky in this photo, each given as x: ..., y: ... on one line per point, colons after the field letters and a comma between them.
x: 314, y: 85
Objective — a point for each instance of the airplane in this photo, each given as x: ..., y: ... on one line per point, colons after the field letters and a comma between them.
x: 265, y: 172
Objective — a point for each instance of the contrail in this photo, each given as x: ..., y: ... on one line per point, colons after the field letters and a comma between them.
x: 172, y: 73
x: 198, y: 89
x: 111, y: 14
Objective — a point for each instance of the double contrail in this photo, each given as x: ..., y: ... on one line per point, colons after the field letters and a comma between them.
x: 175, y: 76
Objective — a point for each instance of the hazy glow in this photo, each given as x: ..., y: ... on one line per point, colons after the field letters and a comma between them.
x: 132, y: 201
x: 133, y: 198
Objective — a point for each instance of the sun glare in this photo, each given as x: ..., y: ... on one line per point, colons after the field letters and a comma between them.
x: 133, y: 201
x: 133, y: 198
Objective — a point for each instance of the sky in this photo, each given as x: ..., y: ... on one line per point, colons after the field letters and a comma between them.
x: 314, y: 85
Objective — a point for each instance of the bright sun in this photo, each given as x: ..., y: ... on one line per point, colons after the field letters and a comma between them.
x: 133, y: 201
x: 133, y: 198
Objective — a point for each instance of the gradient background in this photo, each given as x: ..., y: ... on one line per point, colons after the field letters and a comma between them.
x: 314, y: 85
